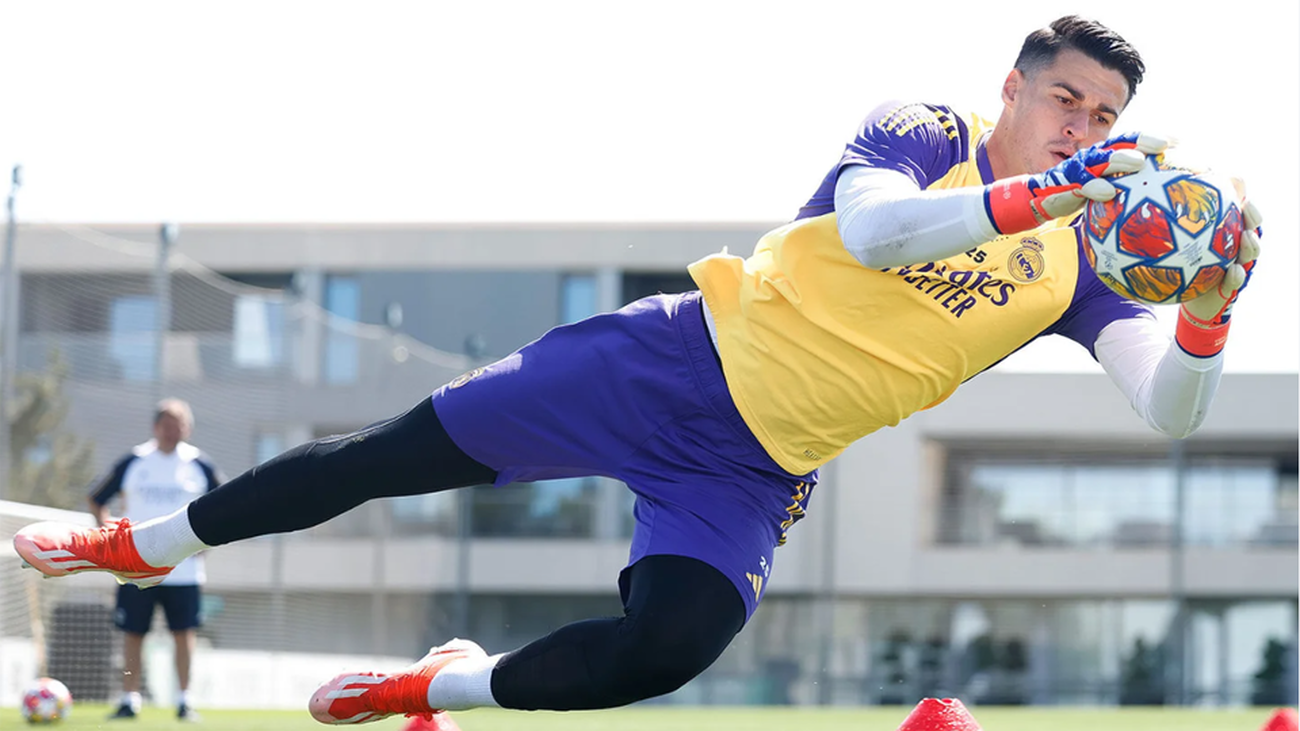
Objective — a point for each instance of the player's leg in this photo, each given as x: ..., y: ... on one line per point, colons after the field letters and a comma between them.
x: 185, y: 641
x: 575, y: 402
x: 408, y: 454
x: 132, y: 615
x: 679, y: 615
x: 181, y: 605
x: 701, y: 557
x: 710, y: 515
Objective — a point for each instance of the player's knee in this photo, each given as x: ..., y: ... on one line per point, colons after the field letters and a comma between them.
x: 661, y: 655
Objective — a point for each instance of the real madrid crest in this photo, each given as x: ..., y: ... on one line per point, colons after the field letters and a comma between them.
x: 1026, y: 263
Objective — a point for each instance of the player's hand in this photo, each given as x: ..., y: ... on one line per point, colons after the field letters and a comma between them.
x: 1064, y: 189
x: 1215, y: 307
x: 1028, y: 201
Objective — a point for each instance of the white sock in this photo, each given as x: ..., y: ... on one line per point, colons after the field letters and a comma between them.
x: 464, y: 684
x: 182, y: 698
x: 133, y: 699
x: 168, y: 540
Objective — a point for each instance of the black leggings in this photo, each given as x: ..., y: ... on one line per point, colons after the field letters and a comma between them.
x: 679, y: 613
x: 410, y: 454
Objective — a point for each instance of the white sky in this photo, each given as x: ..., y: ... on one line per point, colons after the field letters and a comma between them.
x: 591, y: 111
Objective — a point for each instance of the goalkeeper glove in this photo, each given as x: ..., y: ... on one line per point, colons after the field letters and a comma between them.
x: 1028, y: 201
x: 1203, y: 322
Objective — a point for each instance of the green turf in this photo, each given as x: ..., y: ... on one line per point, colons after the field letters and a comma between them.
x: 697, y: 719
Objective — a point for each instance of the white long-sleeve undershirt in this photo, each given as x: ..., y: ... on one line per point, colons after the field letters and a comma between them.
x: 885, y: 220
x: 1170, y: 389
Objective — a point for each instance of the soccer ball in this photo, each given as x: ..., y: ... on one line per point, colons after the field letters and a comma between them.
x: 1169, y: 234
x: 46, y: 701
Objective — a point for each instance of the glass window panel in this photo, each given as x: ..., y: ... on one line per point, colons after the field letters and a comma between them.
x: 132, y: 323
x: 434, y: 513
x: 577, y: 297
x: 1083, y: 656
x: 268, y: 446
x: 342, y: 351
x: 1119, y: 502
x: 1125, y: 505
x: 1144, y: 631
x: 259, y: 331
x: 1205, y: 657
x: 645, y: 284
x: 1229, y: 501
x: 551, y: 508
x: 1261, y: 653
x: 1023, y: 504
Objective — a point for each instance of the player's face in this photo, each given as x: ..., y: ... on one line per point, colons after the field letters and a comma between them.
x: 1058, y: 110
x: 169, y: 431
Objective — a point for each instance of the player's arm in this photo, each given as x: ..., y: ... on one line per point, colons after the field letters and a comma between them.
x: 106, y: 488
x: 1171, y: 383
x: 1170, y: 389
x: 887, y: 217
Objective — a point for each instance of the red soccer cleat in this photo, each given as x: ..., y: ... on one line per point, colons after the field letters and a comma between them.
x: 59, y: 549
x: 368, y: 696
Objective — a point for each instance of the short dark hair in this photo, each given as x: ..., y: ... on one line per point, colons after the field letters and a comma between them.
x: 1089, y: 37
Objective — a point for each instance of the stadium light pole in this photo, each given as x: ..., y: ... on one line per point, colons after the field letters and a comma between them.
x: 9, y: 325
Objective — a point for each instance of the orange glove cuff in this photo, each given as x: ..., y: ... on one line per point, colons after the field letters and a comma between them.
x: 1010, y: 205
x: 1201, y: 338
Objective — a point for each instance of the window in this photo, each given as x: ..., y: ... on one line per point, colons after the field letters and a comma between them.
x: 1235, y: 502
x: 565, y: 508
x: 577, y: 297
x: 342, y: 351
x: 643, y: 284
x: 133, y: 342
x: 259, y: 331
x: 267, y: 446
x: 1115, y: 500
x: 430, y: 514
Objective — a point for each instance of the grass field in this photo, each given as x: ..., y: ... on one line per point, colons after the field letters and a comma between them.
x: 698, y: 719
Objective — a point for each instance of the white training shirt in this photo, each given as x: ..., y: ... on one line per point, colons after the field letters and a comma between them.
x: 152, y: 484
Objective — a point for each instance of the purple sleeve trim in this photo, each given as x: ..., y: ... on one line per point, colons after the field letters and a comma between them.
x: 1094, y: 305
x: 922, y: 141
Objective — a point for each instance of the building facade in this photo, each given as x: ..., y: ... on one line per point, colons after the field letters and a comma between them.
x: 1029, y: 541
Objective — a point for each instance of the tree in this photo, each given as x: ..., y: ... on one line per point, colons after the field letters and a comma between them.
x: 1269, y: 686
x: 48, y: 465
x: 1142, y: 681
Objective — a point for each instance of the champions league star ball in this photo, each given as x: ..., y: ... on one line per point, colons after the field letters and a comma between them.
x: 1169, y: 234
x: 46, y: 701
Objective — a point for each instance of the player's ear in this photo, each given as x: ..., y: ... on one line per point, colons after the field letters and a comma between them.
x: 1011, y: 87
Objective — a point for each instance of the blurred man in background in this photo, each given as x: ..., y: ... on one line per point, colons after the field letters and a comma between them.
x: 154, y: 479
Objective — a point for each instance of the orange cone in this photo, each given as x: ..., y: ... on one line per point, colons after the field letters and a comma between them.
x: 935, y: 714
x: 1283, y: 719
x: 440, y: 722
x: 939, y: 714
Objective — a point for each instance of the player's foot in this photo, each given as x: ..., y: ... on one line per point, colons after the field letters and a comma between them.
x: 367, y: 696
x: 124, y: 711
x: 59, y: 549
x: 187, y: 714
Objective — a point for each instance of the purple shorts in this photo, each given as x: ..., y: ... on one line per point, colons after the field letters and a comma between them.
x: 637, y: 395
